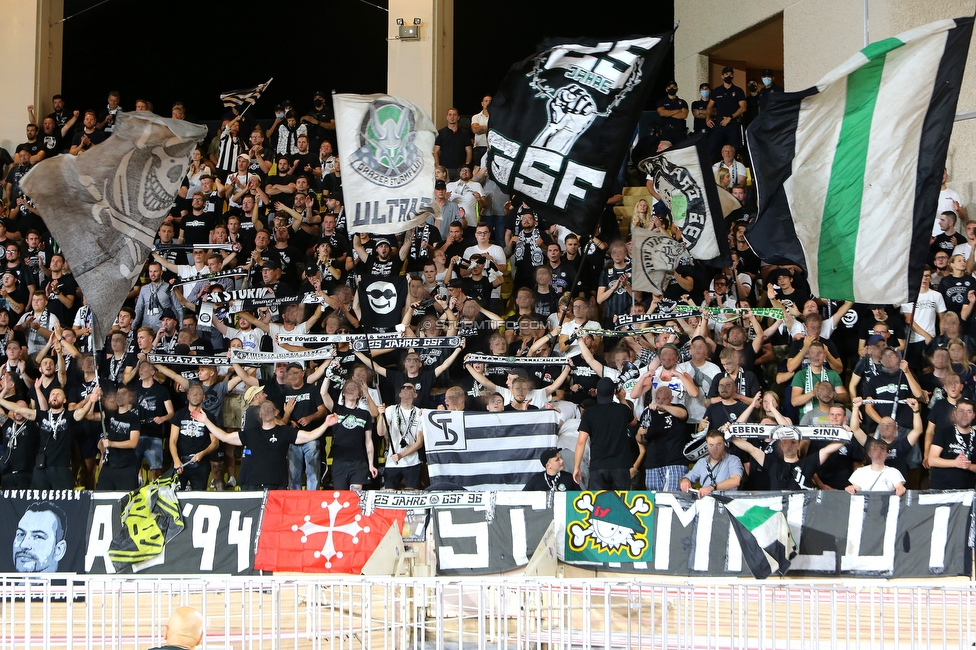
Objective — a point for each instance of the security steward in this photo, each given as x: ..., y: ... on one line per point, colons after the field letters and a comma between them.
x: 725, y: 106
x: 768, y: 88
x: 674, y: 115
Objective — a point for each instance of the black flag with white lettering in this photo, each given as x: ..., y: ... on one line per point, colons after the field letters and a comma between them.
x: 563, y: 120
x: 381, y: 299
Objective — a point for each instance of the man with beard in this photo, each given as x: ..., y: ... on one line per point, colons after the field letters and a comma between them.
x: 52, y: 143
x: 805, y: 381
x: 88, y: 136
x: 39, y: 543
x: 950, y: 455
x: 719, y: 470
x: 265, y: 447
x: 888, y: 391
x: 727, y: 409
x: 746, y: 383
x: 154, y: 298
x: 663, y: 371
x: 380, y: 264
x: 899, y: 443
x: 189, y: 443
x: 528, y: 250
x: 52, y: 469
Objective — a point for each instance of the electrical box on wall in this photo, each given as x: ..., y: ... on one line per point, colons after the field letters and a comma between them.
x: 409, y: 32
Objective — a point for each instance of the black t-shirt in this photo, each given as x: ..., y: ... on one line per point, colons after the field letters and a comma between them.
x: 193, y: 436
x: 561, y: 482
x: 665, y: 439
x: 267, y: 451
x: 374, y: 266
x: 608, y: 425
x: 422, y: 382
x: 672, y: 104
x: 952, y: 443
x: 349, y: 435
x: 52, y: 143
x: 955, y: 291
x: 152, y: 403
x: 452, y: 146
x: 719, y: 413
x: 746, y: 383
x: 836, y: 470
x: 307, y: 401
x: 55, y: 438
x: 119, y: 428
x: 791, y: 476
x: 196, y: 228
x: 727, y: 100
x: 19, y: 446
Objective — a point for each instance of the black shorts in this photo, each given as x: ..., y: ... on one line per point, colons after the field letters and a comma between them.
x: 609, y: 479
x: 409, y: 475
x: 346, y: 473
x: 118, y: 479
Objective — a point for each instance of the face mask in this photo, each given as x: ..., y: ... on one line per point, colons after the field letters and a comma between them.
x: 767, y: 81
x: 279, y: 115
x: 704, y: 94
x: 319, y: 104
x: 727, y: 79
x: 673, y: 90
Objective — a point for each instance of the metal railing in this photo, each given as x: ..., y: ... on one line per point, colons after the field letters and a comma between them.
x: 402, y: 613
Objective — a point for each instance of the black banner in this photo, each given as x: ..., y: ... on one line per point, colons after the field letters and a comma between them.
x: 563, y: 120
x: 870, y: 534
x: 43, y: 531
x: 219, y: 535
x: 494, y: 538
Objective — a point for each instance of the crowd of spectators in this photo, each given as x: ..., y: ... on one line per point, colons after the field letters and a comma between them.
x: 80, y: 412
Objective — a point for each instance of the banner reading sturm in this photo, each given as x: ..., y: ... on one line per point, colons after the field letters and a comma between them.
x: 386, y: 147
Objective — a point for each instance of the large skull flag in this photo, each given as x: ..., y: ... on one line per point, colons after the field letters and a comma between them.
x: 104, y: 206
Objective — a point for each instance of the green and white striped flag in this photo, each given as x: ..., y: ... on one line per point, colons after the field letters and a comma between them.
x: 764, y: 536
x: 848, y: 172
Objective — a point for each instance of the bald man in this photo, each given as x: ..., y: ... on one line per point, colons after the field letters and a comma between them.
x: 184, y: 630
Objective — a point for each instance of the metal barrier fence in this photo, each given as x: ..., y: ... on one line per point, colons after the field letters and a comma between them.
x: 379, y: 613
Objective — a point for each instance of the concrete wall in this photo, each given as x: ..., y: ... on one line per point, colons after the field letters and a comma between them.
x: 30, y: 48
x: 819, y: 35
x: 423, y: 70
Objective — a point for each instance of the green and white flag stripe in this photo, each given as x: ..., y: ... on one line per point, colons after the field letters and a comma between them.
x: 863, y: 162
x: 764, y: 536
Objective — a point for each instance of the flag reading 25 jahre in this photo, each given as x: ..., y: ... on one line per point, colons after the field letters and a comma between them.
x: 386, y: 150
x: 563, y: 120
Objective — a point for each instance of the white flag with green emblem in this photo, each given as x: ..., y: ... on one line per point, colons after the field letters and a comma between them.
x: 764, y: 535
x: 386, y: 153
x: 848, y: 172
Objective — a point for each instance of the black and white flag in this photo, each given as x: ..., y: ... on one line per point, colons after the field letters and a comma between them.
x: 386, y: 147
x: 683, y: 180
x: 105, y: 206
x: 563, y: 120
x: 381, y: 299
x: 487, y: 451
x: 234, y: 98
x: 656, y: 256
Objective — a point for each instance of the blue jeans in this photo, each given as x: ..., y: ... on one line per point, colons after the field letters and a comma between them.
x: 306, y: 455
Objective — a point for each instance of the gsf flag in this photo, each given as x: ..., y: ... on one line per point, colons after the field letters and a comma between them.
x: 381, y: 299
x: 563, y: 119
x: 682, y: 179
x: 764, y: 536
x: 105, y: 206
x: 857, y: 158
x: 386, y: 147
x: 493, y: 451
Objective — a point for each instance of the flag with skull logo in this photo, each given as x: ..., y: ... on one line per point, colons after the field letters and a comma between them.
x: 381, y: 299
x: 103, y: 207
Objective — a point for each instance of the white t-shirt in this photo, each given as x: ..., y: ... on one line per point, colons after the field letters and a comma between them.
x: 481, y: 119
x: 702, y: 376
x: 251, y: 339
x: 462, y: 193
x: 403, y: 426
x: 274, y: 329
x: 867, y: 479
x: 946, y: 197
x: 568, y: 328
x: 737, y: 172
x: 930, y: 304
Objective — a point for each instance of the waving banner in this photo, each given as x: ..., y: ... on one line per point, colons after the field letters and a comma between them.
x: 103, y: 207
x: 386, y: 146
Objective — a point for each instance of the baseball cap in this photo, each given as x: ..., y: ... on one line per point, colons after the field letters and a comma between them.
x: 272, y: 263
x: 440, y: 185
x: 548, y: 454
x: 455, y: 284
x: 604, y: 391
x: 728, y: 69
x: 167, y: 313
x: 294, y: 365
x: 244, y: 156
x: 767, y: 72
x: 875, y: 338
